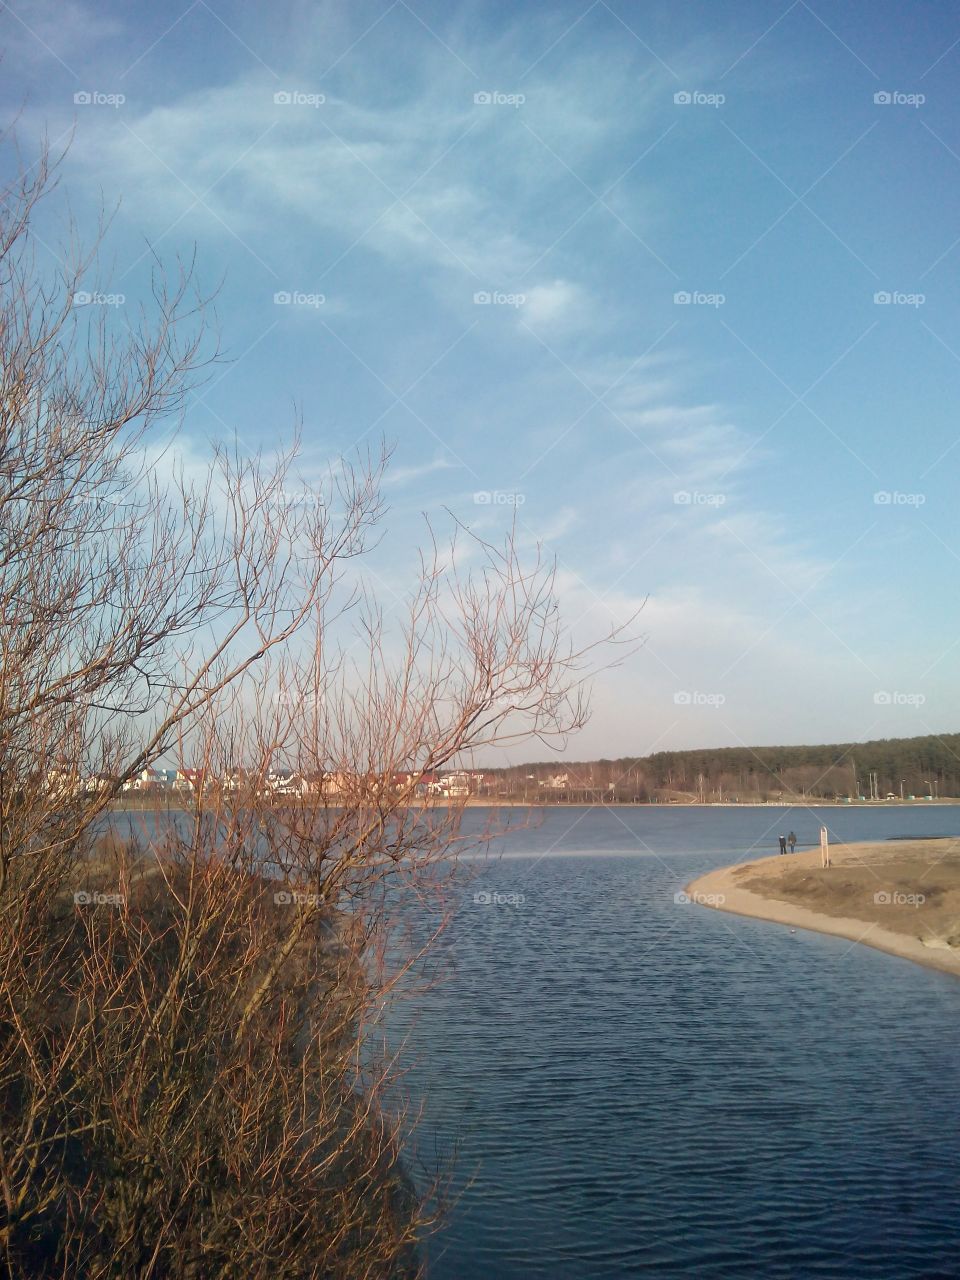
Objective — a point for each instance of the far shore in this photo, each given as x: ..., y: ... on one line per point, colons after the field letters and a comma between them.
x: 900, y: 896
x: 146, y: 800
x: 788, y: 802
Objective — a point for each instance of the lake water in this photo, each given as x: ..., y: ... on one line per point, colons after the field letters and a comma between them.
x: 642, y: 1087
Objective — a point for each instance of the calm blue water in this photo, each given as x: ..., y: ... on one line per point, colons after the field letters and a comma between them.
x: 643, y: 1087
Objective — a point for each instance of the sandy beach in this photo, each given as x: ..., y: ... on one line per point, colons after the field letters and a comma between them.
x: 900, y: 896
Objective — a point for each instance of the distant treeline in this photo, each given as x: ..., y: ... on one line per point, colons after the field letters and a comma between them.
x: 888, y: 766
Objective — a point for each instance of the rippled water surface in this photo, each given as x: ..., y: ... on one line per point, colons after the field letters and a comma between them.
x: 640, y: 1086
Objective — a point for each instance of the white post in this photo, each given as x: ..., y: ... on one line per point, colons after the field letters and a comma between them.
x: 824, y: 847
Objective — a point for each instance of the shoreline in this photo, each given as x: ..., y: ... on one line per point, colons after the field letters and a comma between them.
x: 159, y: 803
x: 724, y: 890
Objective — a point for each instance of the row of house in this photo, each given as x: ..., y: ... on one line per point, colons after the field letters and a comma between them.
x: 456, y: 784
x: 184, y: 780
x: 278, y: 782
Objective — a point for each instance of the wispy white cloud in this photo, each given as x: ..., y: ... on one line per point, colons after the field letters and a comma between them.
x: 557, y: 304
x: 475, y: 189
x: 399, y: 197
x: 37, y: 32
x: 398, y: 477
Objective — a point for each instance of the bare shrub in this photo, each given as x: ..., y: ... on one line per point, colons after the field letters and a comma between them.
x: 190, y: 1083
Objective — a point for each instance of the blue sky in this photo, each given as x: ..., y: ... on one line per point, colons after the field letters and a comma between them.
x: 769, y: 464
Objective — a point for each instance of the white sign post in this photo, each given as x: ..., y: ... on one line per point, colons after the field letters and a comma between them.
x: 824, y: 847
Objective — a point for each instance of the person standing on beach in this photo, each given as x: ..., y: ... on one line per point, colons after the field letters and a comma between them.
x: 783, y: 844
x: 792, y: 841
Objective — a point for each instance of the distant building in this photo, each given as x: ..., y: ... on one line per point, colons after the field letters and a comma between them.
x: 333, y: 785
x: 62, y: 781
x: 189, y: 779
x: 99, y: 782
x: 148, y: 779
x: 284, y: 782
x: 456, y: 785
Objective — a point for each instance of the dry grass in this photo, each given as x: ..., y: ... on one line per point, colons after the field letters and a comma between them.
x: 907, y: 887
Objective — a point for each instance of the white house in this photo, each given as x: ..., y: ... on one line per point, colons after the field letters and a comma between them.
x: 146, y: 780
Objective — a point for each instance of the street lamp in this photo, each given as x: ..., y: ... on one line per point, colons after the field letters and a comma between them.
x: 929, y: 785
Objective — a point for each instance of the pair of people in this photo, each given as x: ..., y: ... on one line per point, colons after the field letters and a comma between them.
x: 790, y: 840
